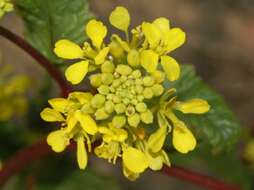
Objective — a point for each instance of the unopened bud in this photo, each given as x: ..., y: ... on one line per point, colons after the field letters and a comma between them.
x: 101, y: 114
x: 157, y: 89
x: 136, y: 74
x: 119, y: 121
x: 147, y: 117
x: 107, y: 78
x: 123, y: 69
x: 148, y: 93
x: 95, y: 80
x: 141, y: 107
x: 148, y: 81
x: 103, y: 89
x: 133, y: 58
x: 98, y: 101
x: 107, y: 67
x: 109, y: 107
x: 134, y: 120
x: 159, y: 76
x: 120, y: 108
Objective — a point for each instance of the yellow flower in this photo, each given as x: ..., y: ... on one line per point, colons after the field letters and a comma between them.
x: 5, y: 6
x: 76, y: 124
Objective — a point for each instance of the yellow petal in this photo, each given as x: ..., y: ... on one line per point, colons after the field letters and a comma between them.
x: 129, y: 174
x: 163, y: 25
x: 71, y: 122
x: 157, y: 139
x: 171, y: 68
x: 155, y: 161
x: 152, y: 34
x: 175, y: 38
x: 81, y: 153
x: 58, y: 140
x: 82, y: 97
x: 96, y: 31
x: 135, y: 160
x: 68, y: 50
x: 51, y: 115
x: 120, y: 18
x: 133, y: 58
x: 76, y: 72
x: 149, y: 60
x: 100, y: 58
x: 197, y: 106
x: 59, y: 104
x: 86, y: 122
x: 183, y: 139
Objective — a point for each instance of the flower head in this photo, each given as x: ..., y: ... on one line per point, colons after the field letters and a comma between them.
x: 132, y: 112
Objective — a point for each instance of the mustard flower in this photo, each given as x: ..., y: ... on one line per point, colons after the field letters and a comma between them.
x: 132, y: 113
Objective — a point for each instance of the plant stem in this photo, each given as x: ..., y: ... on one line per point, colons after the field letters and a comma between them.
x: 44, y: 62
x: 37, y: 151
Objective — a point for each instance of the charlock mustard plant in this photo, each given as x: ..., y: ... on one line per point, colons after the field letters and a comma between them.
x: 131, y: 102
x: 5, y: 6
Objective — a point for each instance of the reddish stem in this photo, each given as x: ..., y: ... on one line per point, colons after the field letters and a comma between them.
x: 37, y: 151
x: 51, y: 69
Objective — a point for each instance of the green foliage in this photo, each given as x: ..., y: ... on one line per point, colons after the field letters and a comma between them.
x: 47, y: 21
x: 219, y: 127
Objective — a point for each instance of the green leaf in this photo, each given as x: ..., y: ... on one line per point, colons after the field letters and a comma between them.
x: 219, y: 127
x: 47, y: 21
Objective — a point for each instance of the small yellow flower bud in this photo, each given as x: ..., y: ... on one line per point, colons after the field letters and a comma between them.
x: 119, y: 121
x: 107, y: 67
x: 120, y: 108
x: 157, y: 89
x: 87, y: 109
x: 130, y: 110
x: 133, y: 58
x: 107, y: 78
x: 103, y: 89
x: 123, y: 79
x: 101, y: 114
x: 134, y: 120
x: 95, y: 80
x: 123, y: 69
x: 136, y: 74
x: 116, y: 83
x: 140, y: 98
x: 147, y: 117
x: 109, y: 106
x: 116, y: 99
x: 139, y: 89
x: 148, y: 81
x: 141, y: 107
x: 139, y: 82
x: 98, y: 101
x: 148, y: 93
x: 134, y: 101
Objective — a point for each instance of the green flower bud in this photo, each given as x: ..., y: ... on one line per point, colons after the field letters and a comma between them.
x: 140, y: 98
x: 116, y: 83
x: 116, y: 75
x: 116, y: 99
x: 148, y: 93
x: 134, y: 101
x: 139, y: 82
x: 119, y: 121
x: 107, y: 78
x: 141, y: 107
x: 136, y: 74
x: 134, y: 120
x: 107, y: 67
x: 87, y: 108
x: 112, y: 89
x: 97, y: 101
x: 110, y: 96
x: 126, y: 101
x: 101, y: 114
x: 123, y: 69
x: 133, y: 58
x: 103, y: 89
x: 147, y: 117
x: 139, y: 89
x: 95, y: 80
x: 157, y: 89
x: 159, y: 76
x: 123, y: 78
x: 109, y: 107
x: 130, y: 110
x: 120, y: 108
x: 148, y: 81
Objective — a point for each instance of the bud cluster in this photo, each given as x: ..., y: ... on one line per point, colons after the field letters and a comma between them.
x: 124, y: 91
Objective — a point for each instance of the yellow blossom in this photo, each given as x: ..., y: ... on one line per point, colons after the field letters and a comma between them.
x: 120, y: 18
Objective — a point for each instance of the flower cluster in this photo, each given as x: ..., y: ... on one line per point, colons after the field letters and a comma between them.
x: 132, y: 112
x: 5, y: 6
x: 12, y: 93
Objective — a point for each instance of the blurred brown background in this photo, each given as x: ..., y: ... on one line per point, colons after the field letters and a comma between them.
x: 220, y: 43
